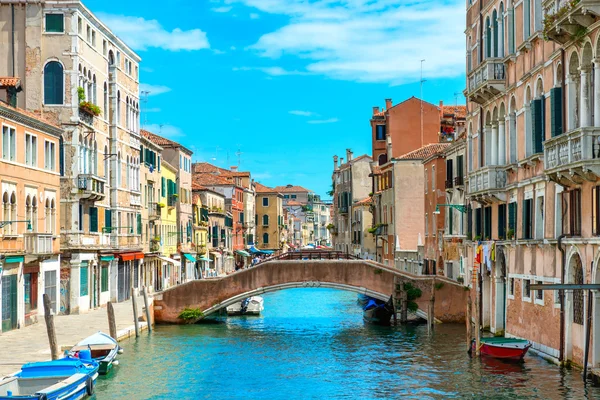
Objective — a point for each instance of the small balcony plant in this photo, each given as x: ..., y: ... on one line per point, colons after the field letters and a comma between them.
x: 87, y: 106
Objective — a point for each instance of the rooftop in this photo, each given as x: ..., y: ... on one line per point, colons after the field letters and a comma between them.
x: 424, y: 152
x: 365, y: 201
x: 162, y: 141
x: 10, y: 81
x: 459, y: 112
x: 291, y: 189
x: 260, y: 188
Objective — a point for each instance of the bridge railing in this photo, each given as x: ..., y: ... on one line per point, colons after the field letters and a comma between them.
x: 313, y: 255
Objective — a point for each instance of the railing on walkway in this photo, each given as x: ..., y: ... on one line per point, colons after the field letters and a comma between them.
x: 314, y: 255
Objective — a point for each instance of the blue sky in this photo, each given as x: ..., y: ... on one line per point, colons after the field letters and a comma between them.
x: 289, y: 83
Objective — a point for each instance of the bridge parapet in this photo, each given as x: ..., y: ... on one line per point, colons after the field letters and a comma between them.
x: 360, y: 276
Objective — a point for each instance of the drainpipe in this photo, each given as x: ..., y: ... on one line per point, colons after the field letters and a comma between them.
x: 12, y: 10
x: 562, y: 297
x: 563, y: 90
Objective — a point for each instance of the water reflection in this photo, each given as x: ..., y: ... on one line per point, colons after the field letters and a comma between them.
x: 312, y: 343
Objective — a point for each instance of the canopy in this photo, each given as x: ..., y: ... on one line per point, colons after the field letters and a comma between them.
x: 14, y: 259
x: 189, y: 257
x: 205, y: 259
x: 169, y: 260
x: 254, y: 250
x: 137, y: 255
x: 107, y: 258
x: 243, y: 253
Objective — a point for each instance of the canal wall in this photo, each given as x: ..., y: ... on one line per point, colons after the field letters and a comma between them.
x: 377, y: 280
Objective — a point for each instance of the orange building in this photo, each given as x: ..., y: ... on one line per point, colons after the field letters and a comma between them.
x: 29, y: 195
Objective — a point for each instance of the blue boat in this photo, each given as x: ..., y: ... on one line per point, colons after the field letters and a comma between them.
x: 376, y: 311
x: 65, y: 379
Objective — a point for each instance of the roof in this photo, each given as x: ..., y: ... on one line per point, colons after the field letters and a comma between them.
x: 10, y: 81
x: 162, y: 141
x: 347, y: 164
x: 364, y: 202
x: 424, y: 152
x: 382, y: 112
x: 210, y: 179
x: 260, y: 188
x: 291, y: 189
x: 199, y: 188
x: 293, y: 203
x: 207, y: 168
x: 34, y: 120
x: 456, y: 111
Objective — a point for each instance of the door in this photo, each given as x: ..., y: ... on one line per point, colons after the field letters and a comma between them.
x: 50, y: 288
x: 9, y: 302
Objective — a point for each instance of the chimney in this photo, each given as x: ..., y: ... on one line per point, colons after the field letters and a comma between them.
x: 388, y: 104
x: 341, y: 161
x: 348, y: 155
x: 375, y: 110
x: 388, y: 143
x: 335, y: 163
x: 233, y: 169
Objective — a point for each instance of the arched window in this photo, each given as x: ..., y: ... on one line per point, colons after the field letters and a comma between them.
x: 526, y: 19
x: 6, y: 211
x: 265, y: 238
x: 488, y: 38
x: 127, y: 112
x: 34, y: 214
x: 52, y: 216
x: 48, y: 214
x: 119, y: 169
x: 382, y: 159
x: 13, y: 212
x: 95, y: 158
x: 265, y: 220
x: 95, y: 100
x: 128, y: 174
x: 53, y: 83
x: 118, y: 107
x: 495, y: 34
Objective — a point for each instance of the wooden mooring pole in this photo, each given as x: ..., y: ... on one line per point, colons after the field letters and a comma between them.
x: 135, y: 313
x: 431, y: 309
x: 148, y: 320
x: 49, y: 318
x: 468, y: 322
x: 477, y: 321
x: 112, y: 324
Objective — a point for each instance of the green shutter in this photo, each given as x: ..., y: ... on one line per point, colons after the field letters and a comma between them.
x: 139, y: 224
x: 55, y: 23
x: 242, y: 217
x: 93, y: 219
x: 527, y: 219
x: 53, y: 83
x: 556, y: 109
x: 162, y: 186
x: 450, y: 222
x: 108, y: 219
x: 537, y: 125
x: 104, y: 279
x: 83, y: 281
x: 501, y: 221
x: 142, y: 154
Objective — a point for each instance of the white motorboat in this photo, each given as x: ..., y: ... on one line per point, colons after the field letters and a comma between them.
x: 249, y: 306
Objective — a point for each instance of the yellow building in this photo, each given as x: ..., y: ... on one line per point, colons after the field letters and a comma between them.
x: 269, y: 218
x: 167, y: 232
x: 200, y: 215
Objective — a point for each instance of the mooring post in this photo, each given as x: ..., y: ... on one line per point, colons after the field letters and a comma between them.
x: 587, y: 335
x: 135, y: 313
x: 477, y: 321
x: 148, y: 320
x: 49, y: 318
x: 112, y: 325
x: 404, y: 312
x: 431, y: 316
x: 468, y: 321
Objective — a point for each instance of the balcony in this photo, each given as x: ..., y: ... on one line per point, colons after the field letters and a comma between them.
x: 486, y: 81
x: 135, y: 199
x: 153, y: 212
x: 487, y: 184
x: 86, y: 117
x: 449, y: 183
x: 38, y: 243
x: 459, y: 182
x: 571, y: 18
x: 91, y: 187
x: 574, y: 156
x: 343, y: 210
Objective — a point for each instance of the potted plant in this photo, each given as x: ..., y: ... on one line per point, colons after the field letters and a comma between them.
x: 510, y: 234
x: 160, y: 205
x: 87, y: 106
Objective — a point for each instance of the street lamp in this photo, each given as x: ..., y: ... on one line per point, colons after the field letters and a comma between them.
x: 5, y: 223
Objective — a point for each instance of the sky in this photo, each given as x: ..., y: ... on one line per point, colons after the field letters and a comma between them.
x: 281, y: 86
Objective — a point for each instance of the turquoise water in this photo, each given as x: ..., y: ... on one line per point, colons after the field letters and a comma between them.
x: 313, y: 344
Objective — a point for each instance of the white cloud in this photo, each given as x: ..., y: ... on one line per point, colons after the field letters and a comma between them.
x: 154, y: 89
x: 217, y: 51
x: 254, y: 16
x: 141, y: 34
x: 223, y: 9
x: 168, y: 131
x: 232, y: 48
x: 323, y: 121
x: 367, y: 41
x: 302, y: 113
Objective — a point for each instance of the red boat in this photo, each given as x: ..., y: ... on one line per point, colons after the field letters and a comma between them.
x: 504, y: 348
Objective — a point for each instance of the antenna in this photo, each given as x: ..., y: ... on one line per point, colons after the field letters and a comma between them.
x: 160, y: 128
x: 456, y: 94
x: 145, y: 94
x: 421, y: 84
x: 217, y: 148
x: 238, y: 154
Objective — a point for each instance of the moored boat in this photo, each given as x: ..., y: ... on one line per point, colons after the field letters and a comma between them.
x: 377, y: 311
x: 249, y: 306
x: 104, y: 350
x: 504, y: 348
x: 64, y: 379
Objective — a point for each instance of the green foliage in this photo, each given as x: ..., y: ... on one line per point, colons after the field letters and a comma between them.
x: 460, y: 279
x: 510, y: 234
x: 412, y: 293
x: 378, y: 271
x: 439, y: 285
x: 412, y: 307
x: 90, y: 108
x: 551, y: 19
x: 190, y: 314
x: 81, y: 94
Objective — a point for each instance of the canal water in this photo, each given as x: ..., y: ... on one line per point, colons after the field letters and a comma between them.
x: 313, y: 344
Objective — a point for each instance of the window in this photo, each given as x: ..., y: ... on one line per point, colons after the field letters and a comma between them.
x: 537, y: 124
x: 31, y: 150
x: 526, y: 19
x: 9, y: 143
x: 512, y: 220
x: 50, y: 155
x: 265, y: 202
x: 556, y: 110
x: 432, y: 178
x: 104, y: 279
x: 79, y: 25
x: 94, y: 38
x: 89, y: 34
x: 478, y: 223
x: 55, y: 23
x: 265, y: 238
x: 511, y: 286
x: 53, y: 83
x: 577, y: 275
x: 426, y: 181
x: 265, y: 220
x: 93, y: 219
x: 83, y: 279
x: 501, y: 221
x: 380, y: 132
x: 539, y: 217
x: 527, y: 219
x: 526, y: 289
x: 293, y: 196
x: 104, y: 48
x: 487, y: 223
x: 50, y: 288
x: 574, y: 212
x: 539, y: 294
x: 426, y: 224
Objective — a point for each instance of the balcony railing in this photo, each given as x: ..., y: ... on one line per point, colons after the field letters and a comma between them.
x: 343, y: 210
x: 135, y: 199
x: 487, y: 80
x: 576, y: 153
x: 459, y: 181
x: 153, y: 212
x: 91, y: 186
x: 487, y: 181
x: 570, y: 19
x: 38, y: 243
x: 449, y: 183
x: 86, y: 117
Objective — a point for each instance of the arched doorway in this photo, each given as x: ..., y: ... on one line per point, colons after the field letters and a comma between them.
x: 500, y: 290
x: 574, y: 307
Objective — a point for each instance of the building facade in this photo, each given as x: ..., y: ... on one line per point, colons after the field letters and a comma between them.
x: 269, y: 214
x: 29, y: 233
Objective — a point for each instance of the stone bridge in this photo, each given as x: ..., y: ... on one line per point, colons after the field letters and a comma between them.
x: 360, y: 276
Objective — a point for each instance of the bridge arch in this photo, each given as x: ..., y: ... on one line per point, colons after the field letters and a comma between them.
x: 360, y: 276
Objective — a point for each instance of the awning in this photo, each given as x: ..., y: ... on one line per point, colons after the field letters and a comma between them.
x: 14, y: 259
x: 267, y: 251
x: 243, y: 253
x: 169, y: 260
x: 189, y: 257
x: 107, y: 258
x: 138, y: 255
x: 205, y: 259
